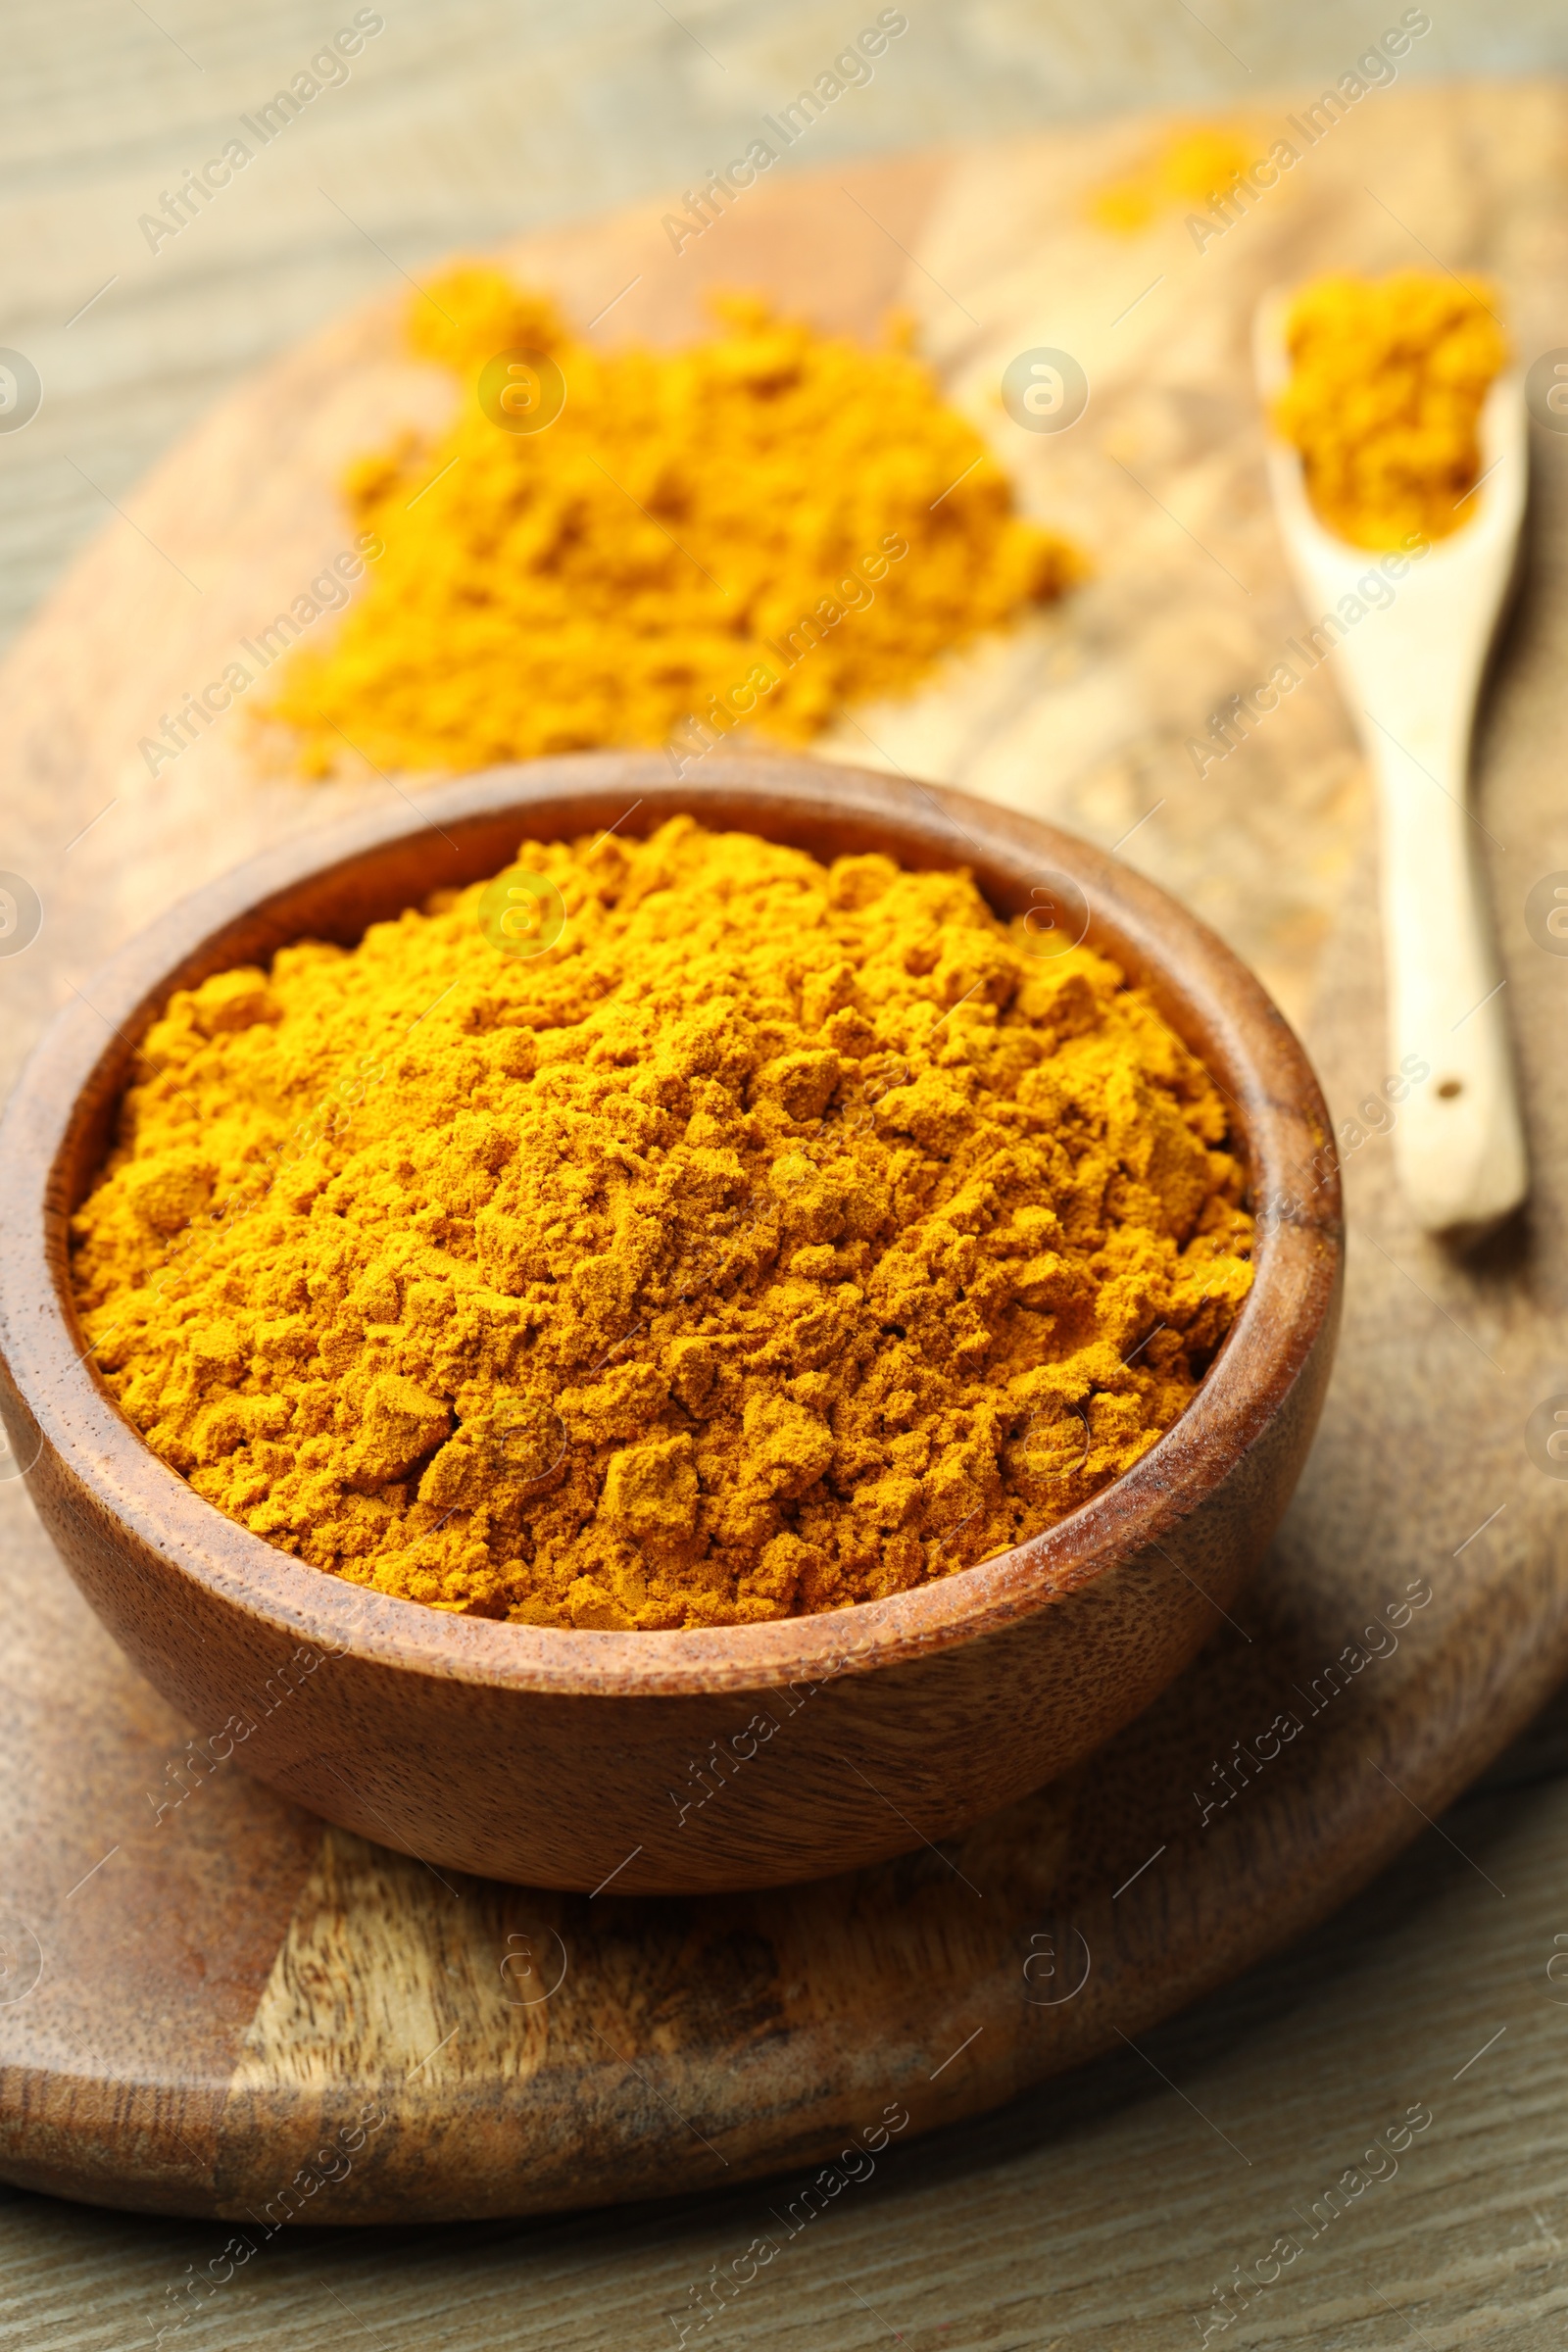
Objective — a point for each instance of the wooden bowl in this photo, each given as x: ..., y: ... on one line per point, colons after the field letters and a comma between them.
x: 562, y: 1758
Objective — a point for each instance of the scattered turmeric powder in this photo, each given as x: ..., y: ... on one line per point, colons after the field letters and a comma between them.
x: 1191, y: 165
x: 757, y: 530
x: 1385, y: 398
x: 758, y: 1237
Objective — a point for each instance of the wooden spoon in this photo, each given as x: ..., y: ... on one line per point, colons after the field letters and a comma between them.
x: 1411, y: 672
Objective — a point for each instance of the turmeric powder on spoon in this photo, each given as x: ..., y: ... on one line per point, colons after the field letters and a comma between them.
x: 1388, y: 378
x: 666, y: 1234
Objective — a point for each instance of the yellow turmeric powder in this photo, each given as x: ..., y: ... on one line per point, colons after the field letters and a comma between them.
x: 1189, y: 166
x: 1388, y: 377
x: 727, y: 1237
x: 752, y: 532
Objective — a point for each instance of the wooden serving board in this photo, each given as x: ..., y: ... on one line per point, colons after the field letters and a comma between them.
x: 217, y: 2004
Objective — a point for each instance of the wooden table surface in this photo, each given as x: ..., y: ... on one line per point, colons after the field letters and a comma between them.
x: 1103, y: 2212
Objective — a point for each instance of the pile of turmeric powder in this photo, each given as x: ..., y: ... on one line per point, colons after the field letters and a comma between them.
x: 1187, y: 167
x: 755, y: 531
x: 1388, y: 377
x: 745, y: 1238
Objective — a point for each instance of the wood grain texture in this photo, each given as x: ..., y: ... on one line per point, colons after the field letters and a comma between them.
x: 1422, y: 1441
x: 546, y: 1757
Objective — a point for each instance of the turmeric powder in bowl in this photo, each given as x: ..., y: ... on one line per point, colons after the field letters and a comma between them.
x: 1388, y: 378
x: 665, y: 1234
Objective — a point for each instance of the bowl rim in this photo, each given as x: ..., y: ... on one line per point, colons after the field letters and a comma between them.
x: 1210, y: 996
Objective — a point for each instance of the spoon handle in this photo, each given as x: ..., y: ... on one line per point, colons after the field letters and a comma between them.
x: 1458, y: 1141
